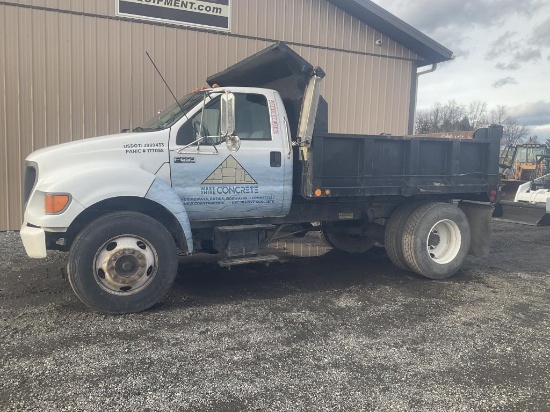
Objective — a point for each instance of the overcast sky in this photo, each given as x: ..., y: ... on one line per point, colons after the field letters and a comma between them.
x: 502, y: 54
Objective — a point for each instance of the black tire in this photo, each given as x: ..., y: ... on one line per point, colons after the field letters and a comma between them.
x: 345, y: 242
x: 122, y: 262
x: 436, y: 240
x: 393, y: 236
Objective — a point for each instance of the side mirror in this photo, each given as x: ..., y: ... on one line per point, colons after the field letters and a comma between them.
x: 227, y: 125
x: 233, y: 143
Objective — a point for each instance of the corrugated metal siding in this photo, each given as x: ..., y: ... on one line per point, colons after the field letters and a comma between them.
x: 4, y: 175
x: 101, y: 7
x: 311, y: 22
x: 365, y: 94
x: 67, y: 76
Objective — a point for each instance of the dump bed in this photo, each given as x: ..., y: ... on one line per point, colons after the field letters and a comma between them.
x: 356, y: 165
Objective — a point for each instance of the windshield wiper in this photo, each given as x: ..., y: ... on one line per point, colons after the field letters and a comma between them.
x: 146, y: 129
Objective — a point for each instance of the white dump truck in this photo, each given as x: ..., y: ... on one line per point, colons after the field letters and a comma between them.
x: 229, y: 168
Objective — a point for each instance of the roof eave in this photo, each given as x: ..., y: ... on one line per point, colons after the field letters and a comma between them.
x: 386, y: 23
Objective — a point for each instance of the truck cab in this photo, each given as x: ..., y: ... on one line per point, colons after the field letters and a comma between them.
x: 182, y: 151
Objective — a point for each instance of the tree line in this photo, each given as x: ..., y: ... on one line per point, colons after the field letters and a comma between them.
x: 454, y: 117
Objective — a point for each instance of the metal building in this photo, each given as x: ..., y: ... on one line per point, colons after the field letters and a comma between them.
x: 73, y: 69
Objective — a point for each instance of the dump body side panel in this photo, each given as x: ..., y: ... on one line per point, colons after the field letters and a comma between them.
x: 363, y: 166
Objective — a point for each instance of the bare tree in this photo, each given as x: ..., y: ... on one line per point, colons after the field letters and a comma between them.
x: 448, y: 117
x: 513, y: 132
x: 477, y: 114
x: 429, y: 120
x: 498, y: 115
x: 435, y: 117
x: 422, y: 122
x: 453, y: 116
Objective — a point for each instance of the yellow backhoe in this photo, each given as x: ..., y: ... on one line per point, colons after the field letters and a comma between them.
x: 518, y: 165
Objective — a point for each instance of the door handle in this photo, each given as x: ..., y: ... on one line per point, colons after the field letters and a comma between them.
x: 275, y: 159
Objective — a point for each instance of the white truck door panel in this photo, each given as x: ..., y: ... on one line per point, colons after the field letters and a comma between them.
x: 216, y: 183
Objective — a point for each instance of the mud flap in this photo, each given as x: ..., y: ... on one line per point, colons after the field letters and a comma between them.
x: 479, y: 216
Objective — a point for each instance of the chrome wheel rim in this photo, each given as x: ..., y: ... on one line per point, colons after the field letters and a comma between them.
x: 125, y: 264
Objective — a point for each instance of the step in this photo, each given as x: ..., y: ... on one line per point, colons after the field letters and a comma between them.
x: 227, y: 263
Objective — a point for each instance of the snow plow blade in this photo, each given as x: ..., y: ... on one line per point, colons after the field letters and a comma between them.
x: 525, y: 213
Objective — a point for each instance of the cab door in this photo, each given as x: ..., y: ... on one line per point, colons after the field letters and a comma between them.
x: 214, y: 182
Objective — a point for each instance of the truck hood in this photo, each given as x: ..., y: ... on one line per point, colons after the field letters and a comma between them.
x: 147, y: 151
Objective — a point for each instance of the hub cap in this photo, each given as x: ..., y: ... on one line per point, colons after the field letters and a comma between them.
x: 444, y: 241
x: 125, y: 265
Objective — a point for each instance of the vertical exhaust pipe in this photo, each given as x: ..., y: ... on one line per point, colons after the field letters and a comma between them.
x: 308, y: 112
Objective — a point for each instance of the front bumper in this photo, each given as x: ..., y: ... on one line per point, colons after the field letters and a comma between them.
x: 34, y: 240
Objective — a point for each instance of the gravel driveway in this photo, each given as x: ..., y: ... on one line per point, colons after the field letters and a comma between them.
x: 334, y: 332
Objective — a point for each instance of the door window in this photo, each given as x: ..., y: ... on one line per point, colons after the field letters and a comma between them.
x: 251, y: 121
x: 252, y: 117
x: 204, y: 123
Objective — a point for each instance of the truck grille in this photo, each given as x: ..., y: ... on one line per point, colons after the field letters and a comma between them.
x: 29, y: 180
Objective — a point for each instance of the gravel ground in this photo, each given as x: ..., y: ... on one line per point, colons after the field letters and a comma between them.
x: 334, y: 332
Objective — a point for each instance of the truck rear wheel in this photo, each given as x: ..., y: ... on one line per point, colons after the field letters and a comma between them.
x: 393, y: 236
x: 346, y: 242
x: 122, y: 262
x: 436, y: 240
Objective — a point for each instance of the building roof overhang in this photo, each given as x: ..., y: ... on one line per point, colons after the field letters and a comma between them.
x: 393, y: 27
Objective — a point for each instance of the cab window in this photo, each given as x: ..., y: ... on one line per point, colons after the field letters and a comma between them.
x: 210, y: 126
x: 252, y: 117
x: 251, y: 121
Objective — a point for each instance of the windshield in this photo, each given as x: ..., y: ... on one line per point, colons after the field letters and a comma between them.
x: 172, y: 114
x: 529, y: 154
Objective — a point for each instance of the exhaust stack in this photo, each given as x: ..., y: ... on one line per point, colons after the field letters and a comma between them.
x: 309, y: 111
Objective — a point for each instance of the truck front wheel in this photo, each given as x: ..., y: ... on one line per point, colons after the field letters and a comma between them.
x: 436, y: 240
x: 122, y: 262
